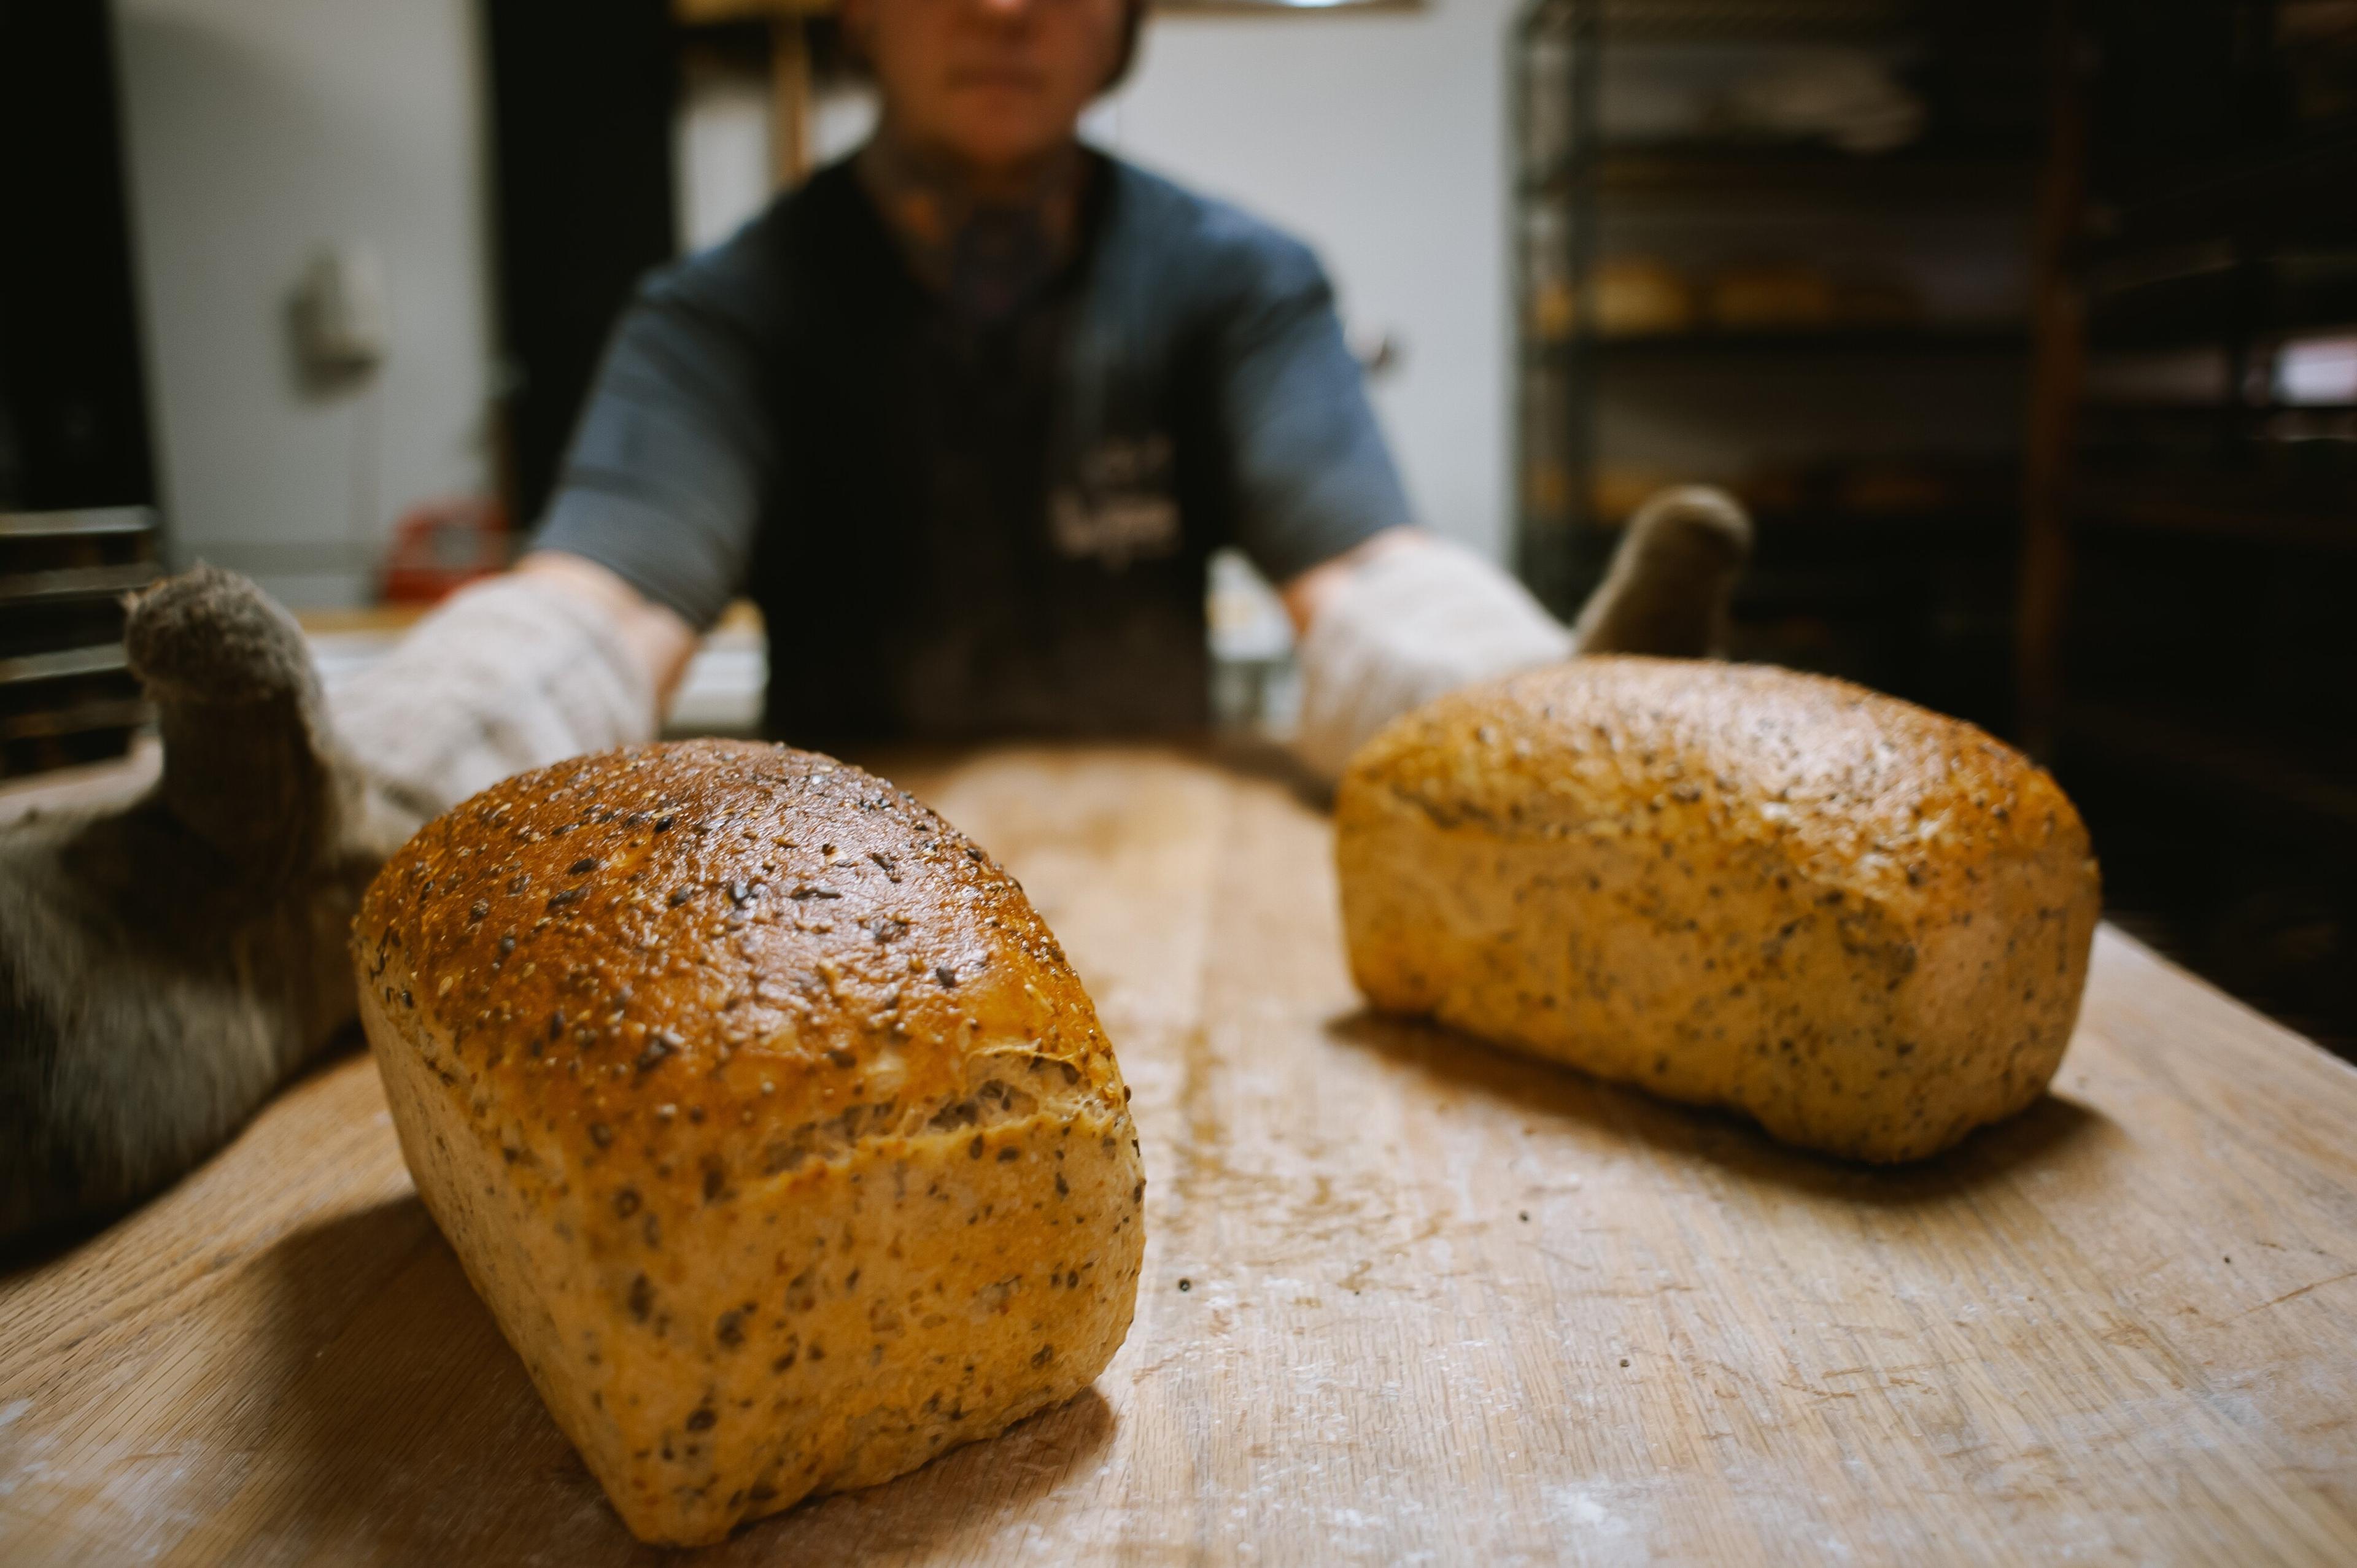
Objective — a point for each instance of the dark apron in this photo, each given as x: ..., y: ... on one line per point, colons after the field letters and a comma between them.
x: 957, y: 547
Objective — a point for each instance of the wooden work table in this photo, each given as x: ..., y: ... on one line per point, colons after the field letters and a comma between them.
x: 1405, y: 1299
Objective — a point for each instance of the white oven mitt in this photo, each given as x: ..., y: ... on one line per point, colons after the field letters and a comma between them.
x: 1421, y: 620
x: 165, y: 967
x: 511, y: 673
x: 1413, y: 623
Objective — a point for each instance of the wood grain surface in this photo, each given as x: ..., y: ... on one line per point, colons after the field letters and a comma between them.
x: 1406, y: 1299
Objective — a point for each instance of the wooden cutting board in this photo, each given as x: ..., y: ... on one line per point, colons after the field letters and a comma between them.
x: 1405, y: 1299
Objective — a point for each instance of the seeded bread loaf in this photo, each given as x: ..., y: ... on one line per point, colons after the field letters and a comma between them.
x: 764, y: 1113
x: 1862, y: 924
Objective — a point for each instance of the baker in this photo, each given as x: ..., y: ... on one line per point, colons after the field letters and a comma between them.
x: 965, y: 415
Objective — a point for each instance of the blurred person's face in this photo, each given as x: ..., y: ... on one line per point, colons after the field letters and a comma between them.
x: 993, y: 84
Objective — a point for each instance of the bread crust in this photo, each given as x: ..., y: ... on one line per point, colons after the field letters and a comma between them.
x: 762, y: 1109
x: 1861, y: 923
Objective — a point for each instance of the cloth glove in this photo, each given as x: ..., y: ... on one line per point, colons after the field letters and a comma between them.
x: 1413, y: 623
x: 1421, y: 620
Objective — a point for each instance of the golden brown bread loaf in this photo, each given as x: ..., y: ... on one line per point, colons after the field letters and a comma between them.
x: 1859, y: 922
x: 762, y: 1110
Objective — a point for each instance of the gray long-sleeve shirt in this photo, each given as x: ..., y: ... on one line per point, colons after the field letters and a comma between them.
x: 957, y: 527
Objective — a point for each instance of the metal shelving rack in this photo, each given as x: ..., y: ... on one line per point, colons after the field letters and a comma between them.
x: 67, y: 694
x: 1868, y: 589
x: 77, y: 477
x: 2187, y: 664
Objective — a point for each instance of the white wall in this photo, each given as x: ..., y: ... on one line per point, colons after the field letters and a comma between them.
x: 260, y: 130
x: 1380, y: 138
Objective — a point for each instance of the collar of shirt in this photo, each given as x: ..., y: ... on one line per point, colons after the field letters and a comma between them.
x: 985, y: 253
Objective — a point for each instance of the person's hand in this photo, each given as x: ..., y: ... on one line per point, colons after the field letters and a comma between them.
x: 1407, y: 618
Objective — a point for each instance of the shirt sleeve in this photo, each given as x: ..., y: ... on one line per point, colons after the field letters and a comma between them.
x: 1313, y: 477
x: 673, y: 460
